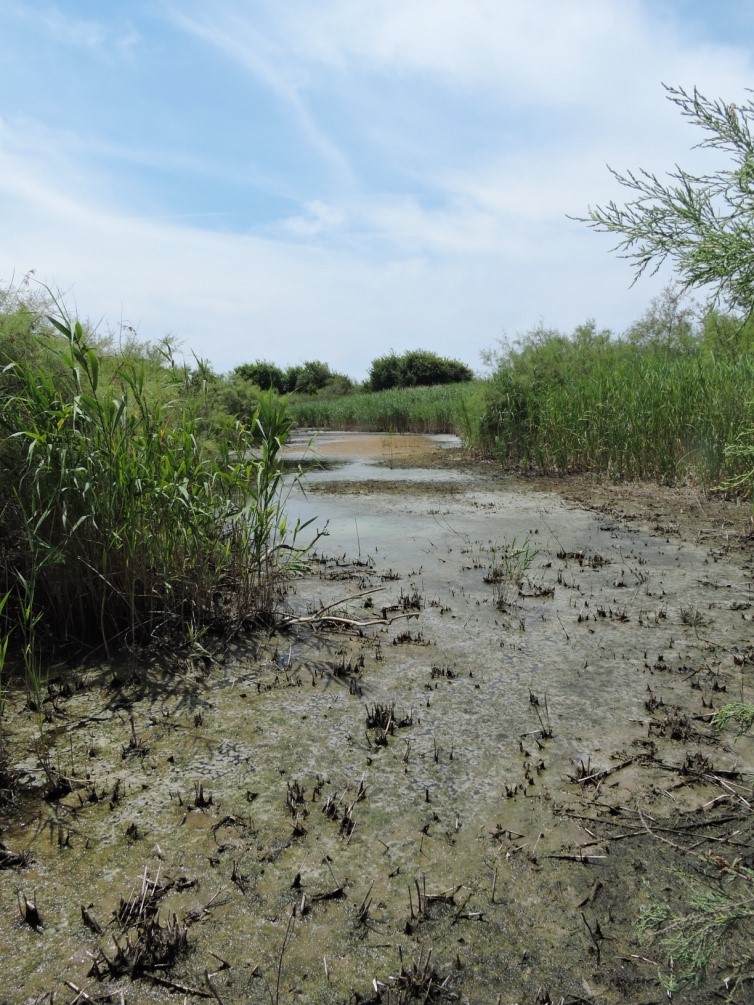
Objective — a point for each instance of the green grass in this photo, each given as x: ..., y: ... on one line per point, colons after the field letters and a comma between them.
x: 446, y: 408
x: 626, y: 410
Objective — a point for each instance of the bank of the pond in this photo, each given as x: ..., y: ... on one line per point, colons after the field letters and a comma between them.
x: 479, y: 754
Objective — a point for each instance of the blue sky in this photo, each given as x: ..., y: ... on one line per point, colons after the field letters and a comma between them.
x: 291, y: 180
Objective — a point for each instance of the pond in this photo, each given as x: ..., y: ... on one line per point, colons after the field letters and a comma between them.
x: 459, y: 773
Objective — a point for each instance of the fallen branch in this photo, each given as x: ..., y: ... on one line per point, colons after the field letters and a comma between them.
x: 593, y: 937
x: 598, y: 776
x: 81, y: 995
x: 723, y: 864
x: 337, y: 894
x: 175, y: 986
x: 585, y: 859
x: 321, y: 618
x: 213, y: 989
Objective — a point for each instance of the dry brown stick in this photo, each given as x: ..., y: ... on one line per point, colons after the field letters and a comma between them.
x: 333, y: 619
x: 586, y: 859
x: 598, y: 776
x: 642, y: 959
x: 730, y: 869
x: 90, y: 921
x: 596, y: 887
x: 681, y: 828
x: 444, y: 897
x: 337, y: 894
x: 729, y: 788
x: 624, y: 835
x: 346, y: 600
x: 283, y: 947
x: 175, y: 986
x: 594, y: 938
x: 600, y: 820
x: 459, y: 913
x: 213, y: 989
x: 322, y: 615
x: 213, y: 898
x: 303, y: 619
x: 364, y: 904
x: 80, y: 993
x: 696, y: 825
x: 224, y: 965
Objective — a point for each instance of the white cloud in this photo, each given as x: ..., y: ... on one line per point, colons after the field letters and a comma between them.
x: 234, y: 298
x: 455, y: 136
x: 237, y: 38
x: 468, y: 43
x: 319, y: 218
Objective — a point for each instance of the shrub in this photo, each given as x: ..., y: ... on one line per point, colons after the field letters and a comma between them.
x: 265, y: 375
x: 315, y: 377
x: 385, y: 373
x: 224, y: 400
x: 417, y: 368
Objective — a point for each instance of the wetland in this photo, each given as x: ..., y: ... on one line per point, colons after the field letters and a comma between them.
x: 474, y: 761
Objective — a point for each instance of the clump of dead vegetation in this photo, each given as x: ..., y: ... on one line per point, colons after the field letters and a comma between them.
x: 141, y: 944
x: 417, y: 981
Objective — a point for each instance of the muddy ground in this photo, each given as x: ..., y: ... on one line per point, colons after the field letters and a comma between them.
x: 475, y: 763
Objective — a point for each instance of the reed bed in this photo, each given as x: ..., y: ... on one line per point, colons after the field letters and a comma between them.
x: 119, y: 526
x: 446, y: 408
x: 629, y: 411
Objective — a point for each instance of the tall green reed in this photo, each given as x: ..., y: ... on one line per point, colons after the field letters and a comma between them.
x: 630, y: 411
x: 446, y: 408
x: 131, y: 528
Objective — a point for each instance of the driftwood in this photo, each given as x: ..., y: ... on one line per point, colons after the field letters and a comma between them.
x: 597, y: 776
x: 175, y: 986
x: 322, y: 617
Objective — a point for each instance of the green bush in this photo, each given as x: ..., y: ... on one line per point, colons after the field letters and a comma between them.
x: 266, y: 376
x: 315, y: 377
x: 417, y: 368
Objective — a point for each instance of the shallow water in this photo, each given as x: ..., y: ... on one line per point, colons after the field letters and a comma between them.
x: 500, y: 693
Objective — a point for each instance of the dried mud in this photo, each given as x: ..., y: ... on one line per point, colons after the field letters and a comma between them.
x: 449, y: 778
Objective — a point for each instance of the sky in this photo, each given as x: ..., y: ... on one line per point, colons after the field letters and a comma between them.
x: 335, y: 179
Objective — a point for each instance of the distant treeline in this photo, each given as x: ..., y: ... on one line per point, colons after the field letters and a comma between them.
x: 416, y: 368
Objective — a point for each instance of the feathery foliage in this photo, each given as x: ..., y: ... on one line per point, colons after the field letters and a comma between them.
x: 701, y: 224
x: 701, y: 929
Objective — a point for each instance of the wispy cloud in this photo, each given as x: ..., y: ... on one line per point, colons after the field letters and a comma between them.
x: 237, y: 38
x: 234, y: 297
x: 331, y: 179
x: 98, y: 38
x: 478, y: 44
